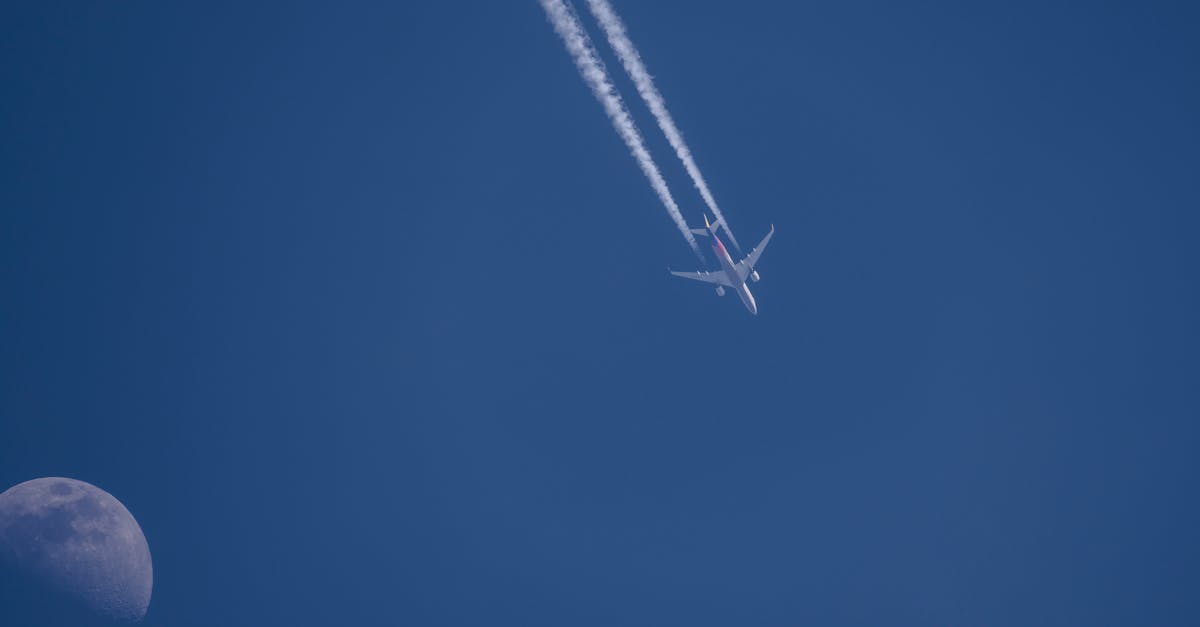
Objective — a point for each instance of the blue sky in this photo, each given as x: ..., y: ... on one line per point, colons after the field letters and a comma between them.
x: 363, y: 311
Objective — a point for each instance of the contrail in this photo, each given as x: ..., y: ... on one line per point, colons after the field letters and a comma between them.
x: 591, y: 68
x: 614, y: 29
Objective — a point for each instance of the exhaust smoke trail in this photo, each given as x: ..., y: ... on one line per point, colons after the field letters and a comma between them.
x: 591, y: 68
x: 614, y: 30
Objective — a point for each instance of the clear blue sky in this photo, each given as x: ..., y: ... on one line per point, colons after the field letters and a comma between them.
x: 362, y: 310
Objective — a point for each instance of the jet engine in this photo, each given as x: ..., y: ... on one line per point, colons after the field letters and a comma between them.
x: 720, y: 290
x: 754, y: 276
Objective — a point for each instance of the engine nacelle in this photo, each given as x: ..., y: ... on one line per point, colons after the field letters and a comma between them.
x: 754, y: 276
x: 720, y: 290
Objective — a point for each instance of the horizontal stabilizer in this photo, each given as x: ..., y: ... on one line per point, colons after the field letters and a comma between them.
x: 699, y: 231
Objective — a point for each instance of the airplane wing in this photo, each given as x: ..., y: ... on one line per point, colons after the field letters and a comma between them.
x: 746, y: 266
x: 716, y: 278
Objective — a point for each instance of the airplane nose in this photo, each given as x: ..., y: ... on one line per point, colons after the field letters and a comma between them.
x: 748, y: 299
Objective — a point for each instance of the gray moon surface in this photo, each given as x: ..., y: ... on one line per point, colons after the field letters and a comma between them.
x: 78, y: 541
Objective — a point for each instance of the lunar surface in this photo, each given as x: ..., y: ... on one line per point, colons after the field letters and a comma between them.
x: 74, y: 544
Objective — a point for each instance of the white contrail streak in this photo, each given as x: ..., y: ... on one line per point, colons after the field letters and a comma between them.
x: 614, y: 29
x: 591, y: 68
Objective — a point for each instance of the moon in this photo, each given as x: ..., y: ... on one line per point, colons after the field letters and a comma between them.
x: 74, y: 544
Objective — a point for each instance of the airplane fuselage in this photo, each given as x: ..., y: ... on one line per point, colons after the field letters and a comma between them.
x: 731, y: 273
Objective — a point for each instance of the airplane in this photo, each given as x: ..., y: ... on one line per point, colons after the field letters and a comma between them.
x: 731, y: 275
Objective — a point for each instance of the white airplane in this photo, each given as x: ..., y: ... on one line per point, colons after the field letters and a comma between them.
x: 731, y: 275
